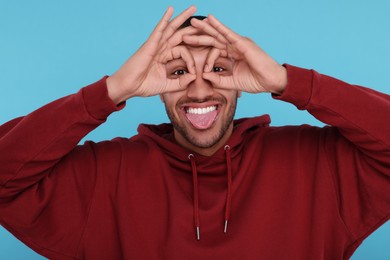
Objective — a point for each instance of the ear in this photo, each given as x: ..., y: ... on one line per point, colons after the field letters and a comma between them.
x: 162, y: 98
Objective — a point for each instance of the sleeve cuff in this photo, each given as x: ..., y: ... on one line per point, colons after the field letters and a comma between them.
x: 299, y: 87
x: 97, y: 102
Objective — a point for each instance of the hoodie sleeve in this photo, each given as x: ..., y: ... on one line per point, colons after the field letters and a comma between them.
x: 357, y: 145
x: 46, y: 180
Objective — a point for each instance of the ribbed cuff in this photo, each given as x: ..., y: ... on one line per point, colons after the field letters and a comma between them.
x: 299, y: 86
x: 97, y: 102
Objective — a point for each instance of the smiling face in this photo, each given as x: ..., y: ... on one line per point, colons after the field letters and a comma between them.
x: 202, y: 115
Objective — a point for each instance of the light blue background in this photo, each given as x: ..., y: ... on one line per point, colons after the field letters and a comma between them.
x: 51, y: 48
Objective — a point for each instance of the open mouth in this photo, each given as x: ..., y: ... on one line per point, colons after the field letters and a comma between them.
x: 202, y: 117
x: 199, y: 110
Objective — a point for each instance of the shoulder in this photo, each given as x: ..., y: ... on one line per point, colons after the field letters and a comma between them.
x: 301, y: 136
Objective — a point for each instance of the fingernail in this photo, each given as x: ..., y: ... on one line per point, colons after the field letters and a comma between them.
x: 206, y: 68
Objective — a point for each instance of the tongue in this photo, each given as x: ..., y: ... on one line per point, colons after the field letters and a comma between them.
x: 202, y: 121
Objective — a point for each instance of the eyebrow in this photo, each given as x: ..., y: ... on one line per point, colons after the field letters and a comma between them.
x: 175, y: 64
x: 224, y: 59
x: 174, y: 61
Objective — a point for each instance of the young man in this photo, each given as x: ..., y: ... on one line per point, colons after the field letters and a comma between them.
x: 204, y: 186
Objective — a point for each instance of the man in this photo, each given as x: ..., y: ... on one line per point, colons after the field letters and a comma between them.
x: 204, y: 186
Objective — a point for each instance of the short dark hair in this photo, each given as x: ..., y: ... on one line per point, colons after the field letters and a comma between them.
x: 188, y: 21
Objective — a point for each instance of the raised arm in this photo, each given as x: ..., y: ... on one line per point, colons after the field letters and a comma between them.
x: 48, y: 134
x: 354, y: 109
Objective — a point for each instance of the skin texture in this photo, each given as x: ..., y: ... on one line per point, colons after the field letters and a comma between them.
x: 202, y: 65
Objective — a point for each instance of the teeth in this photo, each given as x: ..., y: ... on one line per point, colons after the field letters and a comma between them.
x: 200, y: 111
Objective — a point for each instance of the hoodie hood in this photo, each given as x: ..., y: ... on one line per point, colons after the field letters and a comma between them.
x: 163, y: 135
x: 220, y: 162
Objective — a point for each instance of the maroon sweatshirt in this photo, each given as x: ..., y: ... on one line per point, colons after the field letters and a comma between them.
x: 293, y: 192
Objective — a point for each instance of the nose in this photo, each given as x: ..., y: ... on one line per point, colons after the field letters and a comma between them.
x: 200, y: 89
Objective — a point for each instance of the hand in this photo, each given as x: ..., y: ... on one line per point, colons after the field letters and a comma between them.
x: 144, y: 73
x: 253, y: 70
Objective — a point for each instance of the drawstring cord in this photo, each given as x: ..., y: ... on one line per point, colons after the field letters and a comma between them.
x: 196, y: 196
x: 228, y: 202
x: 229, y: 187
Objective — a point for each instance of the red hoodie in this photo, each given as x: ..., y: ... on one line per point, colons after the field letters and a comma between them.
x: 293, y: 192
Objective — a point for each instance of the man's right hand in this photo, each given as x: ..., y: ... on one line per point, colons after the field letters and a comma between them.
x: 144, y: 73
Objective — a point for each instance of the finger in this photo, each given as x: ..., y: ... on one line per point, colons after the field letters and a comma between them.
x: 205, y: 26
x: 178, y: 84
x: 177, y: 37
x: 203, y: 40
x: 210, y: 60
x: 156, y: 34
x: 231, y: 36
x: 182, y: 52
x: 173, y: 25
x: 218, y: 81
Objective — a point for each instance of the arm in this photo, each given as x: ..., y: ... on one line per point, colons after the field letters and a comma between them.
x: 360, y: 114
x: 357, y: 145
x: 54, y: 130
x: 35, y: 143
x: 41, y: 175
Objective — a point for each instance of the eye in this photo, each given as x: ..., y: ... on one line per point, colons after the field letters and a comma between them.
x: 218, y: 69
x: 179, y: 72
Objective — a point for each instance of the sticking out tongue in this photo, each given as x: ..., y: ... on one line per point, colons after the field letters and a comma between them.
x: 202, y: 121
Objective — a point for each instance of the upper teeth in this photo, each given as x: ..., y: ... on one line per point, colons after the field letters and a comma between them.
x: 200, y: 111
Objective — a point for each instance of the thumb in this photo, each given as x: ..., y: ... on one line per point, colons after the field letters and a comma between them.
x: 180, y: 83
x: 225, y: 82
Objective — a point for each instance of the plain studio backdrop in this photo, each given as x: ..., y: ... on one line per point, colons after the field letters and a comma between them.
x: 52, y: 48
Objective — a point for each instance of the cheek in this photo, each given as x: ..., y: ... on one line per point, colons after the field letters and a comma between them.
x: 230, y: 95
x: 162, y: 98
x: 170, y: 99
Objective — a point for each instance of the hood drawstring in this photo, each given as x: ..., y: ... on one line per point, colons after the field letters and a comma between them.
x: 229, y: 187
x: 196, y: 196
x: 228, y: 202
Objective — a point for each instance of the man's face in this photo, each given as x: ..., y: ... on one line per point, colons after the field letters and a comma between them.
x: 202, y: 115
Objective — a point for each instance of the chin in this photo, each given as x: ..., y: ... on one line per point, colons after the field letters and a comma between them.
x: 204, y: 139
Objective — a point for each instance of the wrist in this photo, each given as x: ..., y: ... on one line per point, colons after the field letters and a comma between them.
x: 114, y: 90
x: 281, y: 81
